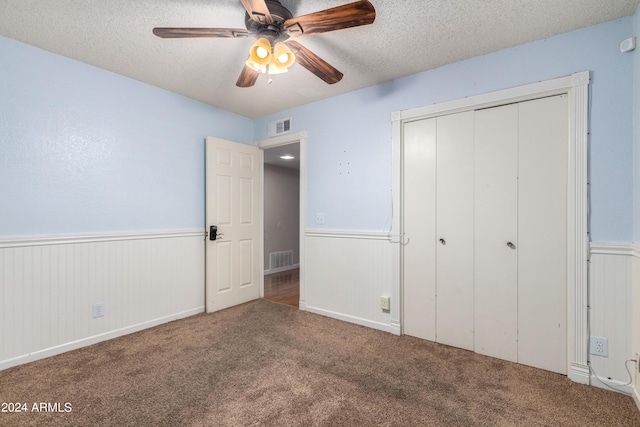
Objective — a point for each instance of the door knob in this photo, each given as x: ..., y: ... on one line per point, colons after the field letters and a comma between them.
x: 444, y: 242
x: 213, y: 232
x: 511, y: 245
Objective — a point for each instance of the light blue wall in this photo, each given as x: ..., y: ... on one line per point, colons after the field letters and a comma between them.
x: 636, y: 125
x: 85, y: 150
x: 349, y: 136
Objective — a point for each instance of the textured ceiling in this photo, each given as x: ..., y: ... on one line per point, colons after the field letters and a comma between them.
x: 408, y: 36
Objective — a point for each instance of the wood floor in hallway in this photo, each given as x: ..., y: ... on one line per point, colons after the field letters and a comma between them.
x: 283, y: 287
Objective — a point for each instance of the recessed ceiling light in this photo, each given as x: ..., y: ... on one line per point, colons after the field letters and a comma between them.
x: 287, y: 157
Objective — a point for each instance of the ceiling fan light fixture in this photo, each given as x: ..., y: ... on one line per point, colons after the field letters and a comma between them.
x: 260, y: 55
x: 261, y: 52
x: 282, y: 59
x: 274, y: 69
x: 273, y: 24
x: 256, y: 67
x: 283, y: 56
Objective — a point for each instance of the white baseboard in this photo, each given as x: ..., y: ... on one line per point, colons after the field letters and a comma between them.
x: 610, y: 385
x: 636, y: 397
x: 356, y: 320
x: 579, y: 373
x: 48, y: 352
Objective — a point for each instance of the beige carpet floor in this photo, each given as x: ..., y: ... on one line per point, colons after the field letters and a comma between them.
x: 267, y: 364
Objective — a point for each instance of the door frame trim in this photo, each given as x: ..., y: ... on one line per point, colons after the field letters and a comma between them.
x: 576, y: 86
x: 292, y: 138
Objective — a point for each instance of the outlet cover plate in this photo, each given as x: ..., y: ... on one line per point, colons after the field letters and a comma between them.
x: 97, y: 310
x: 599, y: 346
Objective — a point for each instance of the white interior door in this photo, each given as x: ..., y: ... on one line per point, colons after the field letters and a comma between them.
x: 454, y: 281
x: 496, y: 232
x: 542, y: 260
x: 419, y: 254
x: 232, y: 205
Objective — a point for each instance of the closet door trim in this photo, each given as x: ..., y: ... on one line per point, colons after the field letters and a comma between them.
x: 576, y: 86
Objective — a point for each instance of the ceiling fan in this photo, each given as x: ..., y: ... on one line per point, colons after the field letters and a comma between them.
x: 274, y: 25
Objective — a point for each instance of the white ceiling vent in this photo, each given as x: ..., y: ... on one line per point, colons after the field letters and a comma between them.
x: 279, y: 127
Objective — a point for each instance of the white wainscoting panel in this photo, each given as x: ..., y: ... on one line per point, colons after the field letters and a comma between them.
x: 636, y: 321
x: 49, y: 284
x: 346, y: 274
x: 611, y: 274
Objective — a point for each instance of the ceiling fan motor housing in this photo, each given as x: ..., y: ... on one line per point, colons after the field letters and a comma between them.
x: 274, y: 31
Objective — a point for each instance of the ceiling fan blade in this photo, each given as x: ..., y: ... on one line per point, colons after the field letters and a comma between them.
x: 346, y: 16
x: 176, y: 33
x: 247, y: 77
x: 258, y: 11
x: 314, y: 63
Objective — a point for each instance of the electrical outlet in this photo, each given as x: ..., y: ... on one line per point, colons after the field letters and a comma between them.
x: 319, y: 218
x: 599, y: 346
x: 385, y: 303
x: 97, y: 310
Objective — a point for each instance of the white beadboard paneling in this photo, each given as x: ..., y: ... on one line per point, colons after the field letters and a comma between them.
x: 48, y: 285
x: 636, y: 320
x: 611, y: 273
x: 346, y: 274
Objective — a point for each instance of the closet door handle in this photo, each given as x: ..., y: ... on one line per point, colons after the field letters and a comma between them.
x: 442, y: 241
x: 511, y: 245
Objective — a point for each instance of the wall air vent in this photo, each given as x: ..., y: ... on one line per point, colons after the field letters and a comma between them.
x: 279, y: 127
x: 280, y: 261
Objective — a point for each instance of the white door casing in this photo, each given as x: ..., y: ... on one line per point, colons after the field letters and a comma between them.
x: 232, y: 204
x: 292, y: 138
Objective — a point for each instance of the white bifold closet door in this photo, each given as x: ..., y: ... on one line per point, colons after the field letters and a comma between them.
x: 485, y: 223
x: 454, y: 228
x: 419, y: 219
x: 542, y: 233
x: 496, y: 232
x: 438, y: 214
x: 521, y: 155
